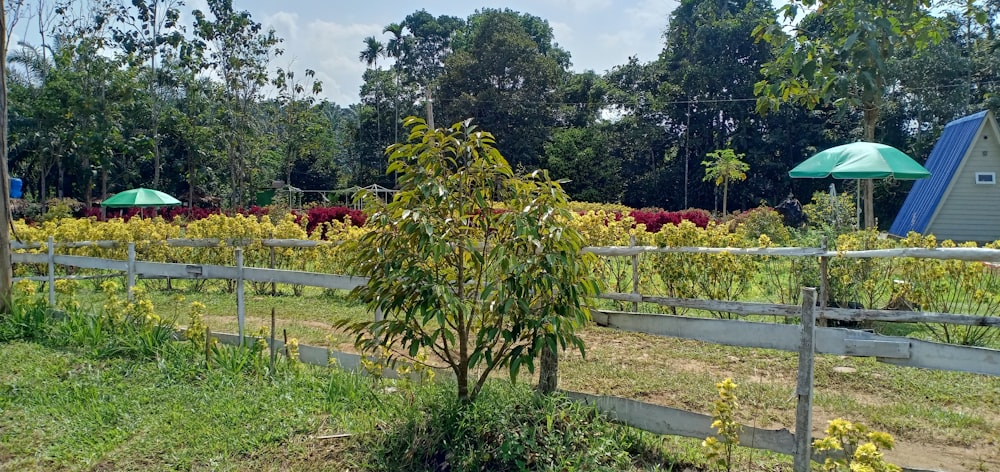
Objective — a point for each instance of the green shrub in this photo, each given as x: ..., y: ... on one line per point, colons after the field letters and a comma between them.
x: 508, y: 427
x: 753, y: 223
x: 58, y: 208
x: 834, y: 217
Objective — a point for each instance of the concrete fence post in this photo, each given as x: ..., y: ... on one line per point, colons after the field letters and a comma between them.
x: 52, y: 271
x: 240, y: 298
x: 130, y: 274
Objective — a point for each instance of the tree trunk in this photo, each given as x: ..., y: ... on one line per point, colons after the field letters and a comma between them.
x: 43, y: 171
x: 725, y: 198
x: 61, y: 172
x: 548, y: 374
x: 6, y: 270
x: 104, y: 183
x: 190, y: 179
x: 870, y: 119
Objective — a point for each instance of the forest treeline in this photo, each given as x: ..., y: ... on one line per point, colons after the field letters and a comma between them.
x: 115, y: 94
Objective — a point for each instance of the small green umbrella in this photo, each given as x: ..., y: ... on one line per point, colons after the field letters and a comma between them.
x: 140, y: 198
x: 860, y: 160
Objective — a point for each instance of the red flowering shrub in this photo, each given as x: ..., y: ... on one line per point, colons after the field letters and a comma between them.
x: 655, y: 220
x: 319, y: 215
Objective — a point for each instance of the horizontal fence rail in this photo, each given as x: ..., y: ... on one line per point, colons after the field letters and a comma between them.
x: 656, y: 419
x: 836, y: 341
x: 961, y: 254
x: 840, y: 314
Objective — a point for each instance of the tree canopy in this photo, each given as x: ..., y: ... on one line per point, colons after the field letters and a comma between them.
x: 122, y: 94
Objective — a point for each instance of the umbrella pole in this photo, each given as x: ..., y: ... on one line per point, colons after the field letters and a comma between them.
x: 869, y: 206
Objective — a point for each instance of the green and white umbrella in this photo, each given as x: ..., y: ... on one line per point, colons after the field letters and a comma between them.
x: 140, y: 198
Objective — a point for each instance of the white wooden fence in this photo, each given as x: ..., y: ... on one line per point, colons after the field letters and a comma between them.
x: 805, y: 339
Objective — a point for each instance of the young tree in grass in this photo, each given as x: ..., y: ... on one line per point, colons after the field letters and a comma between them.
x: 724, y: 166
x: 469, y: 260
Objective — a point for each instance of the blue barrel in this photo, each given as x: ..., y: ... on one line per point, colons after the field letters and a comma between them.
x: 15, y: 188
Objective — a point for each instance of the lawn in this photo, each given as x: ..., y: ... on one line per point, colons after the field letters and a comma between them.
x: 61, y: 410
x: 940, y: 419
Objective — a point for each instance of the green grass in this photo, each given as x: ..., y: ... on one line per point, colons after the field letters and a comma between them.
x: 61, y: 410
x: 919, y: 407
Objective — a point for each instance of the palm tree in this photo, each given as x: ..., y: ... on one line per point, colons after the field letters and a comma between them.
x: 395, y: 49
x: 35, y: 61
x: 373, y: 50
x: 724, y: 166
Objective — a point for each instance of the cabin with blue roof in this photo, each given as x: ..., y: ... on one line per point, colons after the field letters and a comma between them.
x: 961, y: 199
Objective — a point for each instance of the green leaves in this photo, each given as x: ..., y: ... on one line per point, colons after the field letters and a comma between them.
x: 838, y: 53
x: 469, y: 261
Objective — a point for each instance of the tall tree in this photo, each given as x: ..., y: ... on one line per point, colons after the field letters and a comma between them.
x: 580, y: 155
x: 642, y: 145
x: 710, y: 63
x: 372, y: 52
x: 299, y: 126
x: 505, y: 72
x: 240, y: 53
x: 841, y: 56
x: 145, y: 31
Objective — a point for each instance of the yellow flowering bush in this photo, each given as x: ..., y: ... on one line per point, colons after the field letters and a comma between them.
x: 66, y: 291
x: 782, y: 278
x: 720, y: 276
x: 588, y: 207
x: 602, y: 228
x: 333, y: 258
x: 861, y: 448
x: 196, y: 327
x: 950, y: 286
x: 868, y: 281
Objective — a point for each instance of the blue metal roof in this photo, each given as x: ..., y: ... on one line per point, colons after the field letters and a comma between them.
x: 945, y: 158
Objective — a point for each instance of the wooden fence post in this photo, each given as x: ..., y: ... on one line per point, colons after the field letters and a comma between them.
x: 271, y: 344
x: 52, y: 271
x: 635, y: 273
x: 130, y: 275
x: 240, y: 299
x: 803, y: 390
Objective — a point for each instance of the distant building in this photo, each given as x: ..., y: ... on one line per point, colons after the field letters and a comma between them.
x: 961, y: 198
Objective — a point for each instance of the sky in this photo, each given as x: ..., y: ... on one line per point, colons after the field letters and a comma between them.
x: 326, y: 36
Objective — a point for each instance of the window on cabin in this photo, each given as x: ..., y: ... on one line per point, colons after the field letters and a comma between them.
x: 986, y: 178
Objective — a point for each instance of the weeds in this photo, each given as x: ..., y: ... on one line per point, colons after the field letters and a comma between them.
x: 719, y: 449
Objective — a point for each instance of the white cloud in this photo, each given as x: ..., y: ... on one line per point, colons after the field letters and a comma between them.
x: 285, y: 24
x: 580, y: 6
x: 650, y: 14
x: 562, y: 32
x: 642, y: 32
x: 329, y: 48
